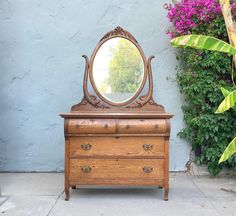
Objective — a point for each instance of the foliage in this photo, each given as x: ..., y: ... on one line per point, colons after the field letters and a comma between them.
x: 229, y: 151
x: 200, y: 75
x: 226, y: 104
x: 190, y: 14
x: 125, y: 68
x: 186, y: 15
x: 203, y: 42
x: 214, y: 44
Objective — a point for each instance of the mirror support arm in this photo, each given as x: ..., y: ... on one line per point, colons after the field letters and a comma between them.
x: 145, y: 98
x: 92, y: 99
x: 85, y: 90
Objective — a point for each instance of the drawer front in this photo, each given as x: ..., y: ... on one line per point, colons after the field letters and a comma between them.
x: 142, y: 126
x: 112, y: 146
x: 91, y: 126
x: 122, y: 126
x: 117, y: 169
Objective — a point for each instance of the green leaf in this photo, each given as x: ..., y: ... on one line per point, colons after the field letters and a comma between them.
x: 227, y: 103
x: 203, y: 42
x: 229, y: 151
x: 225, y: 92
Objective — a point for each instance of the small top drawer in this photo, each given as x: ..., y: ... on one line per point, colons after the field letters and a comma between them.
x: 91, y: 126
x: 135, y: 126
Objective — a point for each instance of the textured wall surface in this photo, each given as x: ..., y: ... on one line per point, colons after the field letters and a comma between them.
x: 41, y: 72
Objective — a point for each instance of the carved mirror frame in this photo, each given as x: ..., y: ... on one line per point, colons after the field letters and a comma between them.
x: 126, y: 35
x: 138, y: 100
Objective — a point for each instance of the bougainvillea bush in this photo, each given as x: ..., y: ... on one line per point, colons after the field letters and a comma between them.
x: 200, y: 75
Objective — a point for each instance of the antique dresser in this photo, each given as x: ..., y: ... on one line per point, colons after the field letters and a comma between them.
x: 117, y: 134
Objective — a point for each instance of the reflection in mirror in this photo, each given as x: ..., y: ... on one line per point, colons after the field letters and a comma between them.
x: 118, y: 70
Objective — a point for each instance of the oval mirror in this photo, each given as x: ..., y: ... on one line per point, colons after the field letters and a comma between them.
x: 118, y: 70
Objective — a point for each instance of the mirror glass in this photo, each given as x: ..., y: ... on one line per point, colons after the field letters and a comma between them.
x: 118, y: 70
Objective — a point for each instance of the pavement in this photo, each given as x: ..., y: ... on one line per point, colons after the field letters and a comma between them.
x: 41, y: 194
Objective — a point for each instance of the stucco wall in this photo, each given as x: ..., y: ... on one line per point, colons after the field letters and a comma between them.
x: 41, y: 72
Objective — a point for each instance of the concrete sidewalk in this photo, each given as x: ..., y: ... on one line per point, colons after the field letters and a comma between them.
x: 41, y: 194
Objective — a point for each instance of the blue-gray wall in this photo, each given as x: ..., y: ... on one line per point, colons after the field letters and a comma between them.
x: 41, y: 71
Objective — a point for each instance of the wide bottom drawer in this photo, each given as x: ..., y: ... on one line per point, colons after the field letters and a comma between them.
x: 118, y: 171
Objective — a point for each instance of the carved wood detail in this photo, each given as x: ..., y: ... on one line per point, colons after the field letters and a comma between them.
x: 88, y: 98
x: 142, y: 101
x: 118, y: 31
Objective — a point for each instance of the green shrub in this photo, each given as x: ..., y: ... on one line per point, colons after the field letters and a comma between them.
x: 200, y: 76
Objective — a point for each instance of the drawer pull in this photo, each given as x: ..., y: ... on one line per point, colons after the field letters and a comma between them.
x: 147, y: 147
x: 86, y: 146
x: 86, y: 169
x: 147, y: 169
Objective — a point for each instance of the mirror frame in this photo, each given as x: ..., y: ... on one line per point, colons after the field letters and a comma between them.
x: 118, y: 32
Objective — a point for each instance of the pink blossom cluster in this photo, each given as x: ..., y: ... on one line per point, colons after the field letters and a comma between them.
x: 233, y: 9
x: 188, y: 14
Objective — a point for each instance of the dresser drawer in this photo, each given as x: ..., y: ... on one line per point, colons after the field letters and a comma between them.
x: 91, y: 126
x: 120, y: 147
x: 121, y: 126
x: 116, y: 169
x: 142, y: 126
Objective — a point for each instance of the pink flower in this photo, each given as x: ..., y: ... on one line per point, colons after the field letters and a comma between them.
x: 188, y: 14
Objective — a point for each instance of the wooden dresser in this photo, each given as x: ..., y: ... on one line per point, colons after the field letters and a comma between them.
x: 117, y: 143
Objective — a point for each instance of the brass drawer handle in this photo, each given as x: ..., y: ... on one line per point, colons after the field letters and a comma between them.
x: 86, y: 146
x: 147, y: 147
x: 147, y: 169
x: 86, y: 169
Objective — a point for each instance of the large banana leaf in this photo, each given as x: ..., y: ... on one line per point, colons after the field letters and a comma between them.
x: 227, y: 103
x: 203, y: 42
x: 229, y: 151
x: 226, y: 92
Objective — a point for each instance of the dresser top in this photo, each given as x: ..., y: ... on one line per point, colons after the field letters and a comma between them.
x: 140, y: 115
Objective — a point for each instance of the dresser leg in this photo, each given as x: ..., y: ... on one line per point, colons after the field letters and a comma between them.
x: 67, y: 193
x: 166, y: 193
x: 160, y: 187
x: 73, y: 187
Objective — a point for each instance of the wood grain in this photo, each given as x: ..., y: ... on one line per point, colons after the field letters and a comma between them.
x: 117, y: 168
x: 145, y: 126
x: 117, y: 182
x: 166, y: 184
x: 67, y: 161
x: 85, y: 126
x: 117, y: 147
x: 116, y: 113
